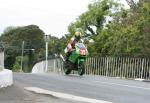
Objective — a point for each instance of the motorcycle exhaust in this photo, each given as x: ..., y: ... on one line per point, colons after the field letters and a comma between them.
x: 62, y: 57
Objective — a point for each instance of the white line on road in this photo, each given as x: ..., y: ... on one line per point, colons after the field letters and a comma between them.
x: 63, y: 95
x: 124, y: 85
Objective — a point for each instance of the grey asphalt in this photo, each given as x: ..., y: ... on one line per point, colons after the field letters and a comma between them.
x: 96, y: 87
x: 17, y: 94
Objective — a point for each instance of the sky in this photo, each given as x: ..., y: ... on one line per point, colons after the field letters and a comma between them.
x: 52, y: 16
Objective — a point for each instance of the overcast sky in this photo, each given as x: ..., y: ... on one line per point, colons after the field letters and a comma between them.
x: 52, y: 16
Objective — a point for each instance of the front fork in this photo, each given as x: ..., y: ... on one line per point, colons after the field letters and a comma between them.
x: 80, y: 61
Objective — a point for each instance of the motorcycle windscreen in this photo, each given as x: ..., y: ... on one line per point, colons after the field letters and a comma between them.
x: 81, y: 46
x: 82, y: 49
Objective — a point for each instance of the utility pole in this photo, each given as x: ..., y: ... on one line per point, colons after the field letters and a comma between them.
x: 46, y: 55
x: 22, y: 56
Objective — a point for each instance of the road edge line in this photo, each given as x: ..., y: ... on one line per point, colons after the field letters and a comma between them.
x: 64, y: 96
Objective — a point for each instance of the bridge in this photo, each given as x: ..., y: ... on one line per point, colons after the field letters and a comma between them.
x: 120, y: 67
x: 106, y: 80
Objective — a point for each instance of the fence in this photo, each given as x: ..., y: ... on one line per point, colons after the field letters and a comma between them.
x: 123, y: 67
x: 56, y: 66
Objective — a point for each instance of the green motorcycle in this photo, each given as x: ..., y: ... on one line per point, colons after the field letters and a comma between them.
x: 76, y: 60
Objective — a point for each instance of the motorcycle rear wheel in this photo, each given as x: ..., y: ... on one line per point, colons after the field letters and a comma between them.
x: 66, y: 70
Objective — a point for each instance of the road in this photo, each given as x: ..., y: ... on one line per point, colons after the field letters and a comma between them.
x: 96, y: 87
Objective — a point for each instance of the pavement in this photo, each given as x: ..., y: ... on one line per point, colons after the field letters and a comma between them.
x: 16, y: 94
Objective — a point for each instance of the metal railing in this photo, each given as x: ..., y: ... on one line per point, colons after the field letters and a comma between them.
x: 123, y: 67
x: 55, y: 66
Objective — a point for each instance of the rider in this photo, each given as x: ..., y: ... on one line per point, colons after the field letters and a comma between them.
x: 75, y: 39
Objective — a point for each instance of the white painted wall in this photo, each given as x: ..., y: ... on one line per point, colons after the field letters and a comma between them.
x: 1, y: 61
x: 6, y: 78
x: 39, y: 67
x: 53, y: 66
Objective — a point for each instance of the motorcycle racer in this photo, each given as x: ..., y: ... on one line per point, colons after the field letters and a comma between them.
x: 71, y: 44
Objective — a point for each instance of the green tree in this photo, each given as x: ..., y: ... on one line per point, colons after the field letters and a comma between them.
x: 93, y: 20
x: 56, y: 45
x: 32, y: 36
x: 127, y: 33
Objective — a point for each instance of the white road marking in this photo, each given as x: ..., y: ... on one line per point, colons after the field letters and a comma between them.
x: 139, y: 79
x: 124, y: 85
x: 63, y: 95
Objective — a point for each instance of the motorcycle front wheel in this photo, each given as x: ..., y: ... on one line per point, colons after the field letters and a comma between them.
x: 81, y: 68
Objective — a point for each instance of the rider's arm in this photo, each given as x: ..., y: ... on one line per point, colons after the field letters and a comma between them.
x: 69, y: 46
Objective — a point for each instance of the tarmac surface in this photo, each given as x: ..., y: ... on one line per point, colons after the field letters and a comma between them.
x: 16, y: 94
